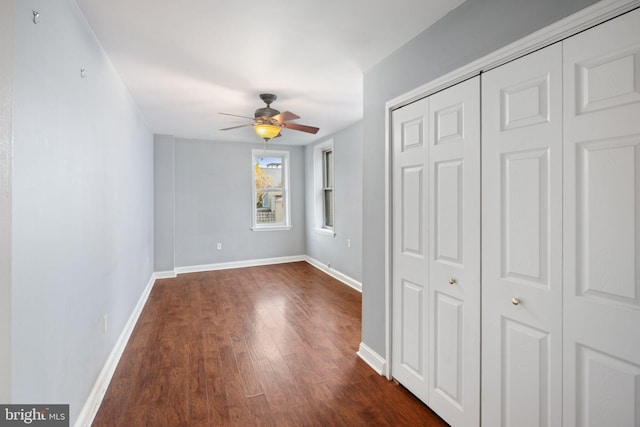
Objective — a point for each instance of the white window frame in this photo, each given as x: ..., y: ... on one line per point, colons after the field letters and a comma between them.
x: 286, y: 225
x: 318, y: 188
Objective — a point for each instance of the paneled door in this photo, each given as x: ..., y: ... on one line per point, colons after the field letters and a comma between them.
x: 454, y: 285
x: 522, y: 241
x: 410, y: 247
x: 602, y: 225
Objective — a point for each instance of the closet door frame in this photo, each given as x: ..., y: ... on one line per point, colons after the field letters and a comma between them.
x: 571, y: 25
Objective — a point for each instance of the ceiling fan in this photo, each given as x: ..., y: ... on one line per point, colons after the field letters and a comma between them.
x: 268, y: 122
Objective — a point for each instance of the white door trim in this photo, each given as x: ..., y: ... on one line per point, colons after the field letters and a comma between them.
x: 579, y: 21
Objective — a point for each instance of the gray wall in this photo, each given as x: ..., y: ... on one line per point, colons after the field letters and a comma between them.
x: 213, y: 204
x: 6, y: 102
x: 474, y: 29
x: 82, y: 206
x: 347, y: 149
x: 164, y: 202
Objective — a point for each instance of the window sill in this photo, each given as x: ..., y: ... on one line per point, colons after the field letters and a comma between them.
x: 274, y: 228
x: 325, y: 232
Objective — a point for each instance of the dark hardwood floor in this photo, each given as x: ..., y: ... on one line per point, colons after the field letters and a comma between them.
x: 262, y: 346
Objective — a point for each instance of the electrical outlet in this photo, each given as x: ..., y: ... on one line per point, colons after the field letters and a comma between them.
x: 328, y: 264
x: 219, y: 246
x: 348, y: 243
x: 105, y: 324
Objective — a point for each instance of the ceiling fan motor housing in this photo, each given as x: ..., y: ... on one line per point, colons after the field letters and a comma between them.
x: 267, y: 111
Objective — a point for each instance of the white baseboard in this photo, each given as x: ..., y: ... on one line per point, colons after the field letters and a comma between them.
x: 91, y: 406
x: 239, y: 264
x: 372, y: 359
x: 165, y: 274
x: 335, y: 274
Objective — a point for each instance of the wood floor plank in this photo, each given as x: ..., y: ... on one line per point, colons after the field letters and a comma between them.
x: 260, y: 346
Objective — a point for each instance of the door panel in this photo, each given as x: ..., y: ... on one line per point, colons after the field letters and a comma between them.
x: 525, y: 382
x: 448, y: 193
x: 413, y: 331
x: 522, y: 241
x: 410, y: 247
x: 602, y: 224
x: 525, y: 103
x: 454, y: 287
x: 411, y: 210
x: 608, y: 80
x: 525, y: 229
x: 448, y: 346
x: 603, y: 167
x: 608, y: 389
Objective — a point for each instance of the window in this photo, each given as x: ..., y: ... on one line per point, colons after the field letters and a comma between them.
x: 327, y: 188
x: 271, y: 210
x: 324, y: 188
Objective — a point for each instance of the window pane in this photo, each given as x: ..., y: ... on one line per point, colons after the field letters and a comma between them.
x: 328, y: 168
x: 269, y: 201
x: 328, y: 208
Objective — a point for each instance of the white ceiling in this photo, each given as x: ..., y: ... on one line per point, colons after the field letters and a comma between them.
x: 186, y: 61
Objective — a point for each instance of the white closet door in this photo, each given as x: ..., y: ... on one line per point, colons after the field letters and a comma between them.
x: 602, y: 225
x: 410, y: 247
x: 454, y: 288
x: 522, y: 242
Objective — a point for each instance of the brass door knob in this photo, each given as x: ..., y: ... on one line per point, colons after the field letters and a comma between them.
x: 452, y: 281
x: 515, y: 300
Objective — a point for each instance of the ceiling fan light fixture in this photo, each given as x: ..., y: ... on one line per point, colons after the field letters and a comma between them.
x: 268, y: 122
x: 266, y: 131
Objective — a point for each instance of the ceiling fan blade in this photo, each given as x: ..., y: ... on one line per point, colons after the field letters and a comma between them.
x: 235, y: 115
x: 236, y: 127
x: 285, y: 117
x: 303, y: 128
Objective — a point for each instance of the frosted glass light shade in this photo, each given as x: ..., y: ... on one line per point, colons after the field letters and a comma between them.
x: 266, y: 131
